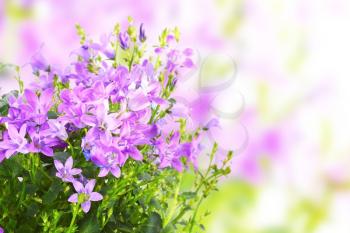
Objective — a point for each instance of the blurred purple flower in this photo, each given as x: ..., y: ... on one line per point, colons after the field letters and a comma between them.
x: 124, y: 40
x: 38, y: 62
x: 142, y: 34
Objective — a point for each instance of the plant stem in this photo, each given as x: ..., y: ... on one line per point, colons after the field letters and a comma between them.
x: 75, y: 212
x: 195, y: 214
x: 70, y: 147
x: 34, y: 162
x: 132, y: 58
x: 173, y: 203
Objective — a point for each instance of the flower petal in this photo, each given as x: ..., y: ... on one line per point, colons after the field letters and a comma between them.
x: 23, y: 130
x: 95, y: 196
x: 75, y: 171
x: 12, y: 131
x: 115, y: 171
x: 73, y: 198
x: 48, y: 151
x: 58, y: 165
x: 103, y: 172
x: 9, y: 153
x: 86, y: 206
x: 31, y: 98
x: 69, y: 163
x: 136, y: 154
x: 46, y: 100
x: 90, y: 186
x: 78, y: 186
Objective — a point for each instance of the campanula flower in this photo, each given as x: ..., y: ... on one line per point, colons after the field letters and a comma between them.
x: 85, y: 194
x: 56, y: 129
x: 38, y: 106
x: 42, y: 144
x: 124, y: 40
x: 66, y: 172
x: 38, y: 62
x: 142, y: 34
x: 16, y: 141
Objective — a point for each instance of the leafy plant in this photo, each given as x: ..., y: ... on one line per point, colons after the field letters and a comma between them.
x: 101, y: 146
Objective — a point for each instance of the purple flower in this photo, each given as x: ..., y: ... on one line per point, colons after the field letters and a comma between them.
x: 87, y: 154
x: 85, y: 194
x: 1, y: 230
x: 66, y: 172
x: 41, y: 144
x: 213, y: 123
x: 16, y: 141
x: 38, y: 107
x: 44, y: 82
x: 115, y: 170
x: 124, y: 40
x: 138, y: 101
x: 142, y: 35
x: 56, y: 129
x: 108, y: 161
x: 38, y: 62
x: 170, y: 153
x: 101, y: 119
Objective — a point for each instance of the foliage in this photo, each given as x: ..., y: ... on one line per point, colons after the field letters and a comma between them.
x: 113, y: 115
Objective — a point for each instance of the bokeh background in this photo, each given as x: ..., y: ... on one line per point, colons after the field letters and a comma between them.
x: 276, y: 73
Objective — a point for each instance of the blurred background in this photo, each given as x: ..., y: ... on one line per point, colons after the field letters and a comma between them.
x: 276, y: 73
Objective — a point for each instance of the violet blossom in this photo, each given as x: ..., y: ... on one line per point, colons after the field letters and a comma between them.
x: 16, y: 141
x: 38, y: 107
x: 85, y: 194
x: 124, y: 40
x: 42, y: 144
x: 142, y: 34
x: 66, y: 172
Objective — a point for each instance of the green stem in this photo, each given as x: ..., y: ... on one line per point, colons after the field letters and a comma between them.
x: 132, y: 58
x: 173, y: 203
x: 195, y: 214
x: 34, y: 162
x: 72, y: 222
x: 70, y: 147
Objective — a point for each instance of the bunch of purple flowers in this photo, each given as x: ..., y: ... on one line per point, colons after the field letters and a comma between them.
x: 117, y: 97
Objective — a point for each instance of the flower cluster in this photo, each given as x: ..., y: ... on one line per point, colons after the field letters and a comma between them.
x: 117, y: 97
x: 29, y: 129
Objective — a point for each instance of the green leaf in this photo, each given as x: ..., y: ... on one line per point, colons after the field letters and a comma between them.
x: 4, y: 102
x: 89, y: 224
x: 52, y: 115
x: 62, y: 156
x: 52, y: 193
x: 154, y: 224
x: 189, y: 195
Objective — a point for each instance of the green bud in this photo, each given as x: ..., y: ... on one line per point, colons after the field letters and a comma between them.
x: 177, y: 34
x: 117, y: 29
x: 81, y: 33
x: 130, y: 20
